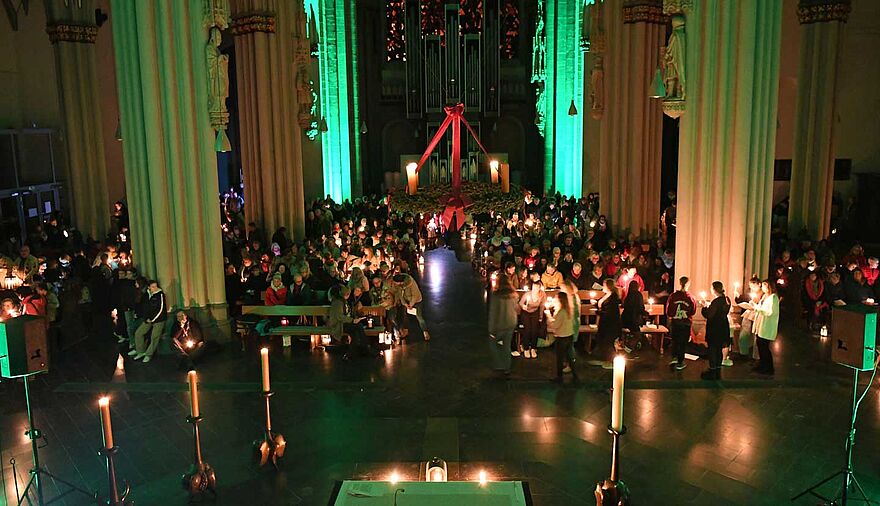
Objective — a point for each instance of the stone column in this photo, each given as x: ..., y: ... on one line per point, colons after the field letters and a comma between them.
x: 631, y: 127
x: 162, y: 48
x: 812, y: 166
x: 727, y: 143
x: 72, y: 31
x: 268, y: 89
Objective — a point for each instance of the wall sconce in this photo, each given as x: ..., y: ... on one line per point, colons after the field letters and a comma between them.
x: 658, y: 89
x: 323, y: 125
x: 572, y: 109
x: 363, y: 127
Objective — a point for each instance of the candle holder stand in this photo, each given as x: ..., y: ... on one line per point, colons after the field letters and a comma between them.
x: 113, y: 497
x: 612, y: 491
x: 200, y: 478
x: 38, y: 473
x: 271, y: 445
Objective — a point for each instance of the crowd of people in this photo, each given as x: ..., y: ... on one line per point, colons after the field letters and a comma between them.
x: 562, y: 246
x: 355, y: 255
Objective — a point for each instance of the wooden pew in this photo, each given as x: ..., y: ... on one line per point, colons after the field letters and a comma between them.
x: 315, y: 315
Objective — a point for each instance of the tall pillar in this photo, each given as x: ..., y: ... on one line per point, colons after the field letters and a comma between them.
x: 162, y: 48
x: 271, y: 138
x: 340, y: 116
x: 631, y: 127
x: 562, y: 58
x: 72, y: 30
x: 812, y: 165
x: 727, y: 140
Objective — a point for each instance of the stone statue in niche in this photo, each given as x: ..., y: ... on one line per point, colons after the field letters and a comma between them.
x: 597, y: 86
x: 218, y: 74
x: 673, y: 61
x: 304, y: 96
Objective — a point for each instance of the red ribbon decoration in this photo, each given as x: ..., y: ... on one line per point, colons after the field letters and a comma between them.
x: 455, y: 203
x: 454, y: 117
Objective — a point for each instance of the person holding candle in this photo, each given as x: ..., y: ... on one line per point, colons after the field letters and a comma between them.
x: 717, y: 329
x: 634, y: 312
x: 341, y: 322
x: 560, y: 323
x: 610, y: 326
x: 747, y: 301
x: 531, y: 314
x: 680, y: 310
x: 188, y: 340
x: 766, y: 325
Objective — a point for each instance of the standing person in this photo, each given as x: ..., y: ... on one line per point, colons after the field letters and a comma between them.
x: 746, y: 338
x: 410, y: 298
x: 609, y: 324
x: 503, y: 308
x: 766, y: 323
x: 633, y: 311
x: 155, y: 315
x: 680, y: 310
x: 560, y: 322
x: 531, y: 312
x: 717, y: 329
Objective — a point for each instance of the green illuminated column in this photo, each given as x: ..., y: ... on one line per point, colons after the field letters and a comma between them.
x: 170, y: 163
x: 339, y: 98
x: 564, y: 88
x: 728, y: 141
x: 72, y: 30
x: 812, y: 165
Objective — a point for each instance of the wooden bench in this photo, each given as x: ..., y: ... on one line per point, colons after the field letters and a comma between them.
x: 316, y: 315
x: 378, y: 313
x: 655, y: 331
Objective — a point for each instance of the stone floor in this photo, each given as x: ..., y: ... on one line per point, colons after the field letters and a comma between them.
x: 745, y: 440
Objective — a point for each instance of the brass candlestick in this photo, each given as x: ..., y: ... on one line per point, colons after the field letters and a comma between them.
x: 271, y: 445
x: 200, y: 478
x: 612, y: 491
x: 114, y: 499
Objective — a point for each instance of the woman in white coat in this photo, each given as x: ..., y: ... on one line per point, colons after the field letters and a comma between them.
x: 766, y: 325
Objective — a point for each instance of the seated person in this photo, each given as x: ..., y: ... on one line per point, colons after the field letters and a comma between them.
x: 187, y: 340
x: 341, y: 322
x: 276, y: 294
x: 299, y: 293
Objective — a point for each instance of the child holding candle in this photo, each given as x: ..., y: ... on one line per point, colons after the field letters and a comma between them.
x: 560, y: 323
x: 717, y: 329
x: 531, y: 313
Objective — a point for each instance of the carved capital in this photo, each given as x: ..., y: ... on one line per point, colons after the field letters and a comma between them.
x: 674, y: 108
x: 822, y: 11
x: 253, y: 22
x: 671, y: 7
x: 644, y: 11
x: 71, y: 32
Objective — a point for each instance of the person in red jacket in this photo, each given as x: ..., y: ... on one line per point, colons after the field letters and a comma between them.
x: 680, y: 310
x: 871, y: 271
x: 276, y: 294
x: 35, y: 304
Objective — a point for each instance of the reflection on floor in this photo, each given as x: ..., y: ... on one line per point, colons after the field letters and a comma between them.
x: 747, y: 440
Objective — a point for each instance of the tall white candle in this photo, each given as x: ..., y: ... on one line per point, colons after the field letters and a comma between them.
x: 264, y: 355
x: 106, y: 426
x: 193, y: 394
x: 617, y: 394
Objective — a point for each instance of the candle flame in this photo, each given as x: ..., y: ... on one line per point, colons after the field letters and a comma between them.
x: 483, y: 477
x: 619, y: 362
x: 190, y: 343
x: 104, y: 401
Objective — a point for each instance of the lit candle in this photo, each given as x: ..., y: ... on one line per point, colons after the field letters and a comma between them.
x: 193, y: 394
x: 617, y: 394
x: 651, y: 301
x: 703, y: 296
x: 104, y: 403
x: 592, y: 294
x: 493, y: 167
x: 264, y: 354
x: 412, y: 178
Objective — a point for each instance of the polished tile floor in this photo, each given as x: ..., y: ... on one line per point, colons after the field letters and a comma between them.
x: 745, y: 440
